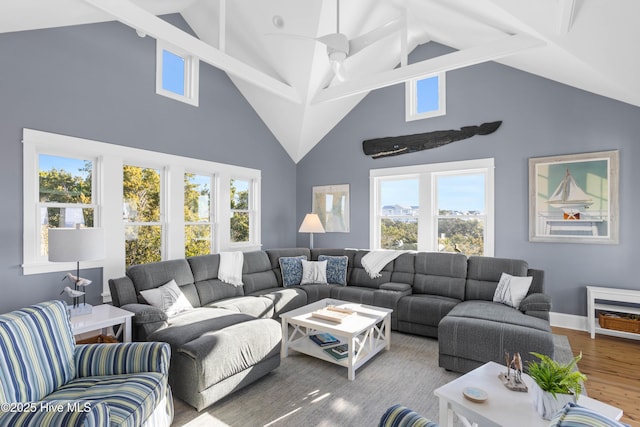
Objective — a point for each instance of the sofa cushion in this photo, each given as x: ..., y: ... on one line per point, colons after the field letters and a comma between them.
x: 404, y: 268
x: 254, y: 305
x: 275, y: 255
x: 152, y: 275
x: 337, y: 267
x: 483, y: 275
x: 284, y: 300
x: 442, y: 274
x: 314, y: 272
x: 362, y: 295
x: 511, y: 290
x: 291, y: 269
x: 131, y: 397
x: 425, y: 309
x: 360, y: 277
x: 36, y: 352
x: 257, y: 273
x: 168, y: 298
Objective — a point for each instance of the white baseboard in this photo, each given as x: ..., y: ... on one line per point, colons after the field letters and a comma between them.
x: 568, y: 321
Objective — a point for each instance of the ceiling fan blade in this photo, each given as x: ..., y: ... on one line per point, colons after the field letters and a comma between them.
x: 337, y: 42
x: 366, y: 39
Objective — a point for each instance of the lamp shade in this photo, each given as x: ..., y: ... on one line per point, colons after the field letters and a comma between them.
x: 311, y: 224
x: 76, y: 244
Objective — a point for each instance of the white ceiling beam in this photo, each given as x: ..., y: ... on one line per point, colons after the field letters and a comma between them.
x: 138, y: 18
x: 566, y: 10
x: 501, y: 48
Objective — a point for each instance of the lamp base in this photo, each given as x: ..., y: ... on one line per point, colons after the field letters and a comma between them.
x: 80, y: 309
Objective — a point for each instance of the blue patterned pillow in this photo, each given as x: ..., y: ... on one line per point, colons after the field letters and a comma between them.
x: 336, y: 269
x: 291, y: 269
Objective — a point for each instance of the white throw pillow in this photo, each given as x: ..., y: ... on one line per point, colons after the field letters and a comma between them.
x: 511, y: 290
x: 314, y: 272
x: 168, y: 298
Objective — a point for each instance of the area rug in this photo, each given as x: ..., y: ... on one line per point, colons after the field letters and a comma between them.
x: 305, y: 391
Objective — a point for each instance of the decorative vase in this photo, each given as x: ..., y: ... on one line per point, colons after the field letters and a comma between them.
x: 546, y: 405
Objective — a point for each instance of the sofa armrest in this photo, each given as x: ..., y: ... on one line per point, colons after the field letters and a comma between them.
x: 538, y: 305
x: 57, y: 413
x: 122, y: 291
x: 145, y: 313
x: 398, y: 415
x: 126, y: 358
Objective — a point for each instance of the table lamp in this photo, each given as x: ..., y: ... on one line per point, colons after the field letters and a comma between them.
x: 75, y: 245
x: 311, y: 224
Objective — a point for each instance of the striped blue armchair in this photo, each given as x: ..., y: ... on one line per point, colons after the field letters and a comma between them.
x: 46, y: 379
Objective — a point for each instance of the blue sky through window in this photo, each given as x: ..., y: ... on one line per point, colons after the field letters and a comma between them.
x: 173, y: 72
x: 427, y: 95
x: 73, y: 166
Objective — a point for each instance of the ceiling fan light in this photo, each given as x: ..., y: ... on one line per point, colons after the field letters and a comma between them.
x: 339, y: 70
x: 337, y: 56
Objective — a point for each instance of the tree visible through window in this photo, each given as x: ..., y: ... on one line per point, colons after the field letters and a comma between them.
x: 141, y: 213
x: 240, y: 210
x: 197, y: 215
x: 65, y: 194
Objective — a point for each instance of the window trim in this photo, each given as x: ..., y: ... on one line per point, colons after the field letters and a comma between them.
x: 191, y: 74
x: 213, y: 206
x: 108, y: 198
x: 425, y: 174
x: 411, y: 98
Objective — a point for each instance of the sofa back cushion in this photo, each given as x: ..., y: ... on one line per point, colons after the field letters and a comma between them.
x: 404, y: 268
x: 483, y: 275
x: 152, y: 275
x: 442, y: 274
x: 257, y: 273
x: 36, y: 352
x: 274, y: 258
x: 360, y: 277
x: 205, y: 274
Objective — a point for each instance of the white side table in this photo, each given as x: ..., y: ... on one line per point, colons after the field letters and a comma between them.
x: 599, y: 298
x: 102, y: 317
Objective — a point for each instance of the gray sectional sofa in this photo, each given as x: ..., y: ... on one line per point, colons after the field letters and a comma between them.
x: 440, y: 295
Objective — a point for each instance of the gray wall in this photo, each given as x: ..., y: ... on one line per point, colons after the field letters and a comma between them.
x: 98, y: 82
x: 540, y: 118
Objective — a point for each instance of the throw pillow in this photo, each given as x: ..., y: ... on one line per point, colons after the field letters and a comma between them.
x: 336, y: 269
x: 314, y: 272
x: 168, y: 298
x: 511, y: 290
x: 291, y: 269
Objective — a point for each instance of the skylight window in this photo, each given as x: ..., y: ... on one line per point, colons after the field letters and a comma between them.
x: 177, y: 74
x: 425, y: 97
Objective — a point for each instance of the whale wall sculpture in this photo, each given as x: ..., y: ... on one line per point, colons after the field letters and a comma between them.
x: 396, y: 145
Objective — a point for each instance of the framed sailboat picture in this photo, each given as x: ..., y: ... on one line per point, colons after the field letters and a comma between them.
x: 574, y: 198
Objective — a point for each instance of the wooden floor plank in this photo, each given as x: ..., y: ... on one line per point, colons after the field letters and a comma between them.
x: 612, y: 367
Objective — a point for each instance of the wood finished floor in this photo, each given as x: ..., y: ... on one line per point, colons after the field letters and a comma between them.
x: 612, y: 367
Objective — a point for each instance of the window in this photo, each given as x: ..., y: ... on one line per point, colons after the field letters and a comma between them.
x: 153, y: 206
x: 198, y: 219
x: 177, y: 74
x: 240, y: 210
x: 141, y: 212
x: 65, y: 195
x: 426, y: 97
x: 445, y: 207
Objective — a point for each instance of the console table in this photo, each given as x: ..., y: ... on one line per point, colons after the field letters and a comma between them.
x: 599, y: 298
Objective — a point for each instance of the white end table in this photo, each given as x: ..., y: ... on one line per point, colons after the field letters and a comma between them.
x: 503, y: 407
x: 102, y: 317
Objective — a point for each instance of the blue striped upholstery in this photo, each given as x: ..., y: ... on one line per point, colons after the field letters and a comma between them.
x: 36, y: 352
x: 573, y: 415
x: 131, y: 397
x: 93, y: 414
x: 401, y: 416
x: 129, y: 358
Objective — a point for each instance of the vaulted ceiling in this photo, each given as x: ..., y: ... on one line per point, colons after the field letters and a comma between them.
x: 269, y: 48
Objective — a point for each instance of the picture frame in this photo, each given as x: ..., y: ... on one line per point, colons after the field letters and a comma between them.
x: 331, y: 204
x: 574, y: 198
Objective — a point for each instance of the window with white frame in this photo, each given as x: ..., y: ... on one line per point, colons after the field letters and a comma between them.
x: 65, y: 196
x: 198, y: 214
x: 142, y: 214
x: 177, y: 74
x: 138, y: 196
x: 426, y: 97
x: 445, y: 207
x: 241, y: 212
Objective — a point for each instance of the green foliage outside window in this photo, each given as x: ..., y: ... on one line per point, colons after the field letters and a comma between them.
x: 239, y: 219
x: 197, y: 237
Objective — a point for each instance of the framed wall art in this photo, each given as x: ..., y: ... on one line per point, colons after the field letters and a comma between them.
x: 331, y: 203
x: 574, y: 198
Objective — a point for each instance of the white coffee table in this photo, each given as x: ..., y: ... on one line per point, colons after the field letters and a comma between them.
x: 503, y: 407
x: 366, y: 332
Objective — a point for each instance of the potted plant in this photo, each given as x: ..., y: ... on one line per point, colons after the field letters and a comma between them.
x: 555, y: 384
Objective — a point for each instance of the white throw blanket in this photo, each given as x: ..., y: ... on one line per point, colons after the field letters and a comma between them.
x: 374, y: 261
x: 230, y: 270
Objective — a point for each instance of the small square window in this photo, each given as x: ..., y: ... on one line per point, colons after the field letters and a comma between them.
x: 425, y: 97
x: 177, y: 74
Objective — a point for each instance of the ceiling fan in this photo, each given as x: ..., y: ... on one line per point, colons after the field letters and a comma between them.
x: 340, y: 47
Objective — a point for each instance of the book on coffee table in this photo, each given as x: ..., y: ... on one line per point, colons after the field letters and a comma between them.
x: 338, y: 352
x: 331, y: 314
x: 324, y: 339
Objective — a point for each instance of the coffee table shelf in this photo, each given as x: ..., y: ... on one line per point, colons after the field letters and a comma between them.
x: 366, y: 333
